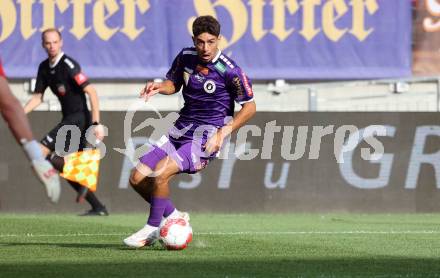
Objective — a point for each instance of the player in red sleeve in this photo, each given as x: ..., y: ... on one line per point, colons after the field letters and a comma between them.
x: 14, y: 115
x: 64, y: 77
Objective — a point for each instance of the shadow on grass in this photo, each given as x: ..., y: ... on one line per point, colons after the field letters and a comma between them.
x: 120, y: 246
x: 225, y: 267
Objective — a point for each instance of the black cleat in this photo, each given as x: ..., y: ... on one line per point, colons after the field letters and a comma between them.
x: 96, y: 212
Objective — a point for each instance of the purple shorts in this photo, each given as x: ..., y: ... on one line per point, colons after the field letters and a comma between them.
x: 188, y: 154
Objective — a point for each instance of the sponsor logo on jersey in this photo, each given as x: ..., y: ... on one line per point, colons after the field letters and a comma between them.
x: 80, y: 78
x: 61, y: 89
x: 199, y: 77
x: 220, y: 67
x: 247, y: 87
x: 209, y: 86
x: 203, y: 70
x: 238, y: 88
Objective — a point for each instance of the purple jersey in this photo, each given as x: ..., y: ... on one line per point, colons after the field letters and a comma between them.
x: 209, y: 90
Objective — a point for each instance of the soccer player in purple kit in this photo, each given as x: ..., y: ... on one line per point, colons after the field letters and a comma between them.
x: 211, y: 83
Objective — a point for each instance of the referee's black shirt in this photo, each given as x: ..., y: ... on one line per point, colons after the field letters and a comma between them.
x: 66, y: 81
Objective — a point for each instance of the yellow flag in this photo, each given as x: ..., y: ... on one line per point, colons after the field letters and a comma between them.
x: 82, y: 167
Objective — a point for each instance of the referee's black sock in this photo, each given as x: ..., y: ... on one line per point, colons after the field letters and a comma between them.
x: 90, y: 197
x: 56, y: 161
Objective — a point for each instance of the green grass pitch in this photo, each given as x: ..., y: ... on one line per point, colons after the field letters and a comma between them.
x: 225, y: 245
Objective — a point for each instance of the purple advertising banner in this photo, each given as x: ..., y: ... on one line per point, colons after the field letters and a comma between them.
x: 290, y: 39
x: 370, y: 162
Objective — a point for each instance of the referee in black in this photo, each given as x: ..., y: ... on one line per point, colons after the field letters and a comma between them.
x: 63, y: 76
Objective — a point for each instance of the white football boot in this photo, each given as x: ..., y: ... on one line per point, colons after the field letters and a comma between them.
x: 49, y: 177
x: 144, y: 237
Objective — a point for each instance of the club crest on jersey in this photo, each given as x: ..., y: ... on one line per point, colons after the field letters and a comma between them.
x: 209, y: 86
x: 61, y: 89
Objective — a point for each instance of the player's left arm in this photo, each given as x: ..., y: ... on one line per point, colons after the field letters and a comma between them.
x: 242, y: 90
x: 246, y: 112
x: 94, y: 103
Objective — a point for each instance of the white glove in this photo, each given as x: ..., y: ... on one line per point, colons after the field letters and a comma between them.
x: 49, y: 177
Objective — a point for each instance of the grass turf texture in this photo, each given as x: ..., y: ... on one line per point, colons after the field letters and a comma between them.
x: 236, y: 245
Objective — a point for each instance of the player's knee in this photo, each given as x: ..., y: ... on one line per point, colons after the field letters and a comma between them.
x: 162, y: 179
x: 163, y: 172
x: 135, y: 177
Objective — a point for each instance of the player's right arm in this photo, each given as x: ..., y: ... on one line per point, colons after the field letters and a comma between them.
x: 165, y: 88
x: 12, y: 112
x: 172, y: 83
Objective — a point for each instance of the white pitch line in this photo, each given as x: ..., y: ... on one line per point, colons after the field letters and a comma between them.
x: 256, y: 233
x: 318, y: 233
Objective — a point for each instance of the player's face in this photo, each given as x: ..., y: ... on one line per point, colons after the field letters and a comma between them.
x: 52, y: 43
x: 206, y: 46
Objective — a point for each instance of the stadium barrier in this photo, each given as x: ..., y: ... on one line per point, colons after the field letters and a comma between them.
x: 413, y: 94
x: 289, y: 162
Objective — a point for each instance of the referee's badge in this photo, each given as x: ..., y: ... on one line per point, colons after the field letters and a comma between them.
x: 209, y: 86
x: 61, y: 89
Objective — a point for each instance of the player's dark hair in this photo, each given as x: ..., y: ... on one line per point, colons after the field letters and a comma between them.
x: 206, y: 24
x: 48, y: 30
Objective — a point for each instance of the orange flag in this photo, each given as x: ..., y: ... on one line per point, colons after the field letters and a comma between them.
x: 82, y: 167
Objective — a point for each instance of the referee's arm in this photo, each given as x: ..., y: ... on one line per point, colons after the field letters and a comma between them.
x: 94, y: 103
x: 34, y: 102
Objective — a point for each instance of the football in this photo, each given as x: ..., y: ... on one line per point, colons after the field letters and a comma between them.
x: 175, y: 234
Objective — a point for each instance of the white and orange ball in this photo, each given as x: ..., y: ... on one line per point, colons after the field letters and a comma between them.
x: 175, y: 234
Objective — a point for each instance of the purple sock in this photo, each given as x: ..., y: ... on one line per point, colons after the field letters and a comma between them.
x: 157, y: 208
x: 169, y: 209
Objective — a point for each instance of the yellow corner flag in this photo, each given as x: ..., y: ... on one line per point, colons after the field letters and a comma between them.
x: 82, y: 167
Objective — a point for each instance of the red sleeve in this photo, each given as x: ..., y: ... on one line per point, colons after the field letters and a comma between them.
x: 81, y: 79
x: 2, y: 72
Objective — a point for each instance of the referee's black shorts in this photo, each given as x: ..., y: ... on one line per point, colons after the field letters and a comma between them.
x: 80, y: 120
